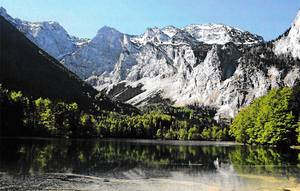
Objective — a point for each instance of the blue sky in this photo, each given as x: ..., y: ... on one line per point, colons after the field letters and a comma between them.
x: 82, y: 18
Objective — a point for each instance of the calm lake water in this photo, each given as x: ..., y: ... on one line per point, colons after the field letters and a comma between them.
x: 51, y: 164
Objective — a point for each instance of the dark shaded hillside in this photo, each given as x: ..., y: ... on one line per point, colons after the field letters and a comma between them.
x: 26, y: 67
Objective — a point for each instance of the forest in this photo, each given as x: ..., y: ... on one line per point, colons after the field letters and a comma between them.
x: 42, y: 117
x: 273, y: 119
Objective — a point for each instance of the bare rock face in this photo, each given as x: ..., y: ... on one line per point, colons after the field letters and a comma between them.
x: 212, y: 65
x: 48, y: 35
x: 289, y: 43
x: 98, y: 56
x: 221, y: 34
x: 227, y: 77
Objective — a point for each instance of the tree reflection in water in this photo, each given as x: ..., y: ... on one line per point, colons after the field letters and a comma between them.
x: 116, y: 158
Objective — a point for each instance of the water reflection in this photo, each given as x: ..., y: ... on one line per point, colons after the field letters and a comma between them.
x: 198, y: 166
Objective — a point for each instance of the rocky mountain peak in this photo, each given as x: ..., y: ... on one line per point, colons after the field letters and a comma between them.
x: 152, y: 35
x: 107, y: 30
x: 210, y: 64
x: 107, y: 36
x: 4, y: 14
x: 221, y: 34
x: 48, y: 35
x: 170, y: 30
x: 2, y: 11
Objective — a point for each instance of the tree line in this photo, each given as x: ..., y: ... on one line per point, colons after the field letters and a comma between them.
x: 272, y: 119
x: 23, y: 116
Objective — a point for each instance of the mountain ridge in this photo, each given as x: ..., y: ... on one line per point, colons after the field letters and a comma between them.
x: 212, y: 64
x: 48, y: 35
x: 36, y: 73
x: 26, y: 67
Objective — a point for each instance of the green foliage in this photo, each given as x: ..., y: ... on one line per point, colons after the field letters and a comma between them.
x: 183, y: 134
x: 43, y: 117
x: 193, y: 133
x: 270, y: 119
x: 215, y: 133
x: 21, y: 116
x: 298, y: 131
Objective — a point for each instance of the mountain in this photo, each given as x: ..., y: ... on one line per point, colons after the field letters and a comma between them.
x: 109, y: 56
x: 221, y: 34
x: 211, y: 64
x: 98, y: 56
x: 225, y: 68
x: 26, y: 67
x: 49, y: 36
x: 289, y: 42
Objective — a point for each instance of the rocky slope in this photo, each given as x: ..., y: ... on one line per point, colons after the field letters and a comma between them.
x: 289, y: 43
x: 211, y: 64
x: 49, y: 36
x: 26, y: 67
x: 221, y: 34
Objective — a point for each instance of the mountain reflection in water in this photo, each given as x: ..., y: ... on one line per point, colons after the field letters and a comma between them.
x: 145, y: 165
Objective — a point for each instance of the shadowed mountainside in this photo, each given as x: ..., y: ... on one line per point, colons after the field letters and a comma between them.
x: 27, y: 68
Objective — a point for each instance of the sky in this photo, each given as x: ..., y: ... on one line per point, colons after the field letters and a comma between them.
x: 83, y: 18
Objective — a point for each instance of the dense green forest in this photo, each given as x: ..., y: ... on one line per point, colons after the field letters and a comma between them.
x: 25, y: 116
x: 271, y: 119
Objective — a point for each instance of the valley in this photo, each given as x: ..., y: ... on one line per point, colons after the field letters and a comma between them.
x: 192, y: 108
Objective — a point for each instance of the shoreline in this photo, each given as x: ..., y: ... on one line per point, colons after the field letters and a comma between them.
x: 133, y: 140
x: 149, y: 141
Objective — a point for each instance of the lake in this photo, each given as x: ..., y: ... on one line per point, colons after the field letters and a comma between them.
x: 55, y: 164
